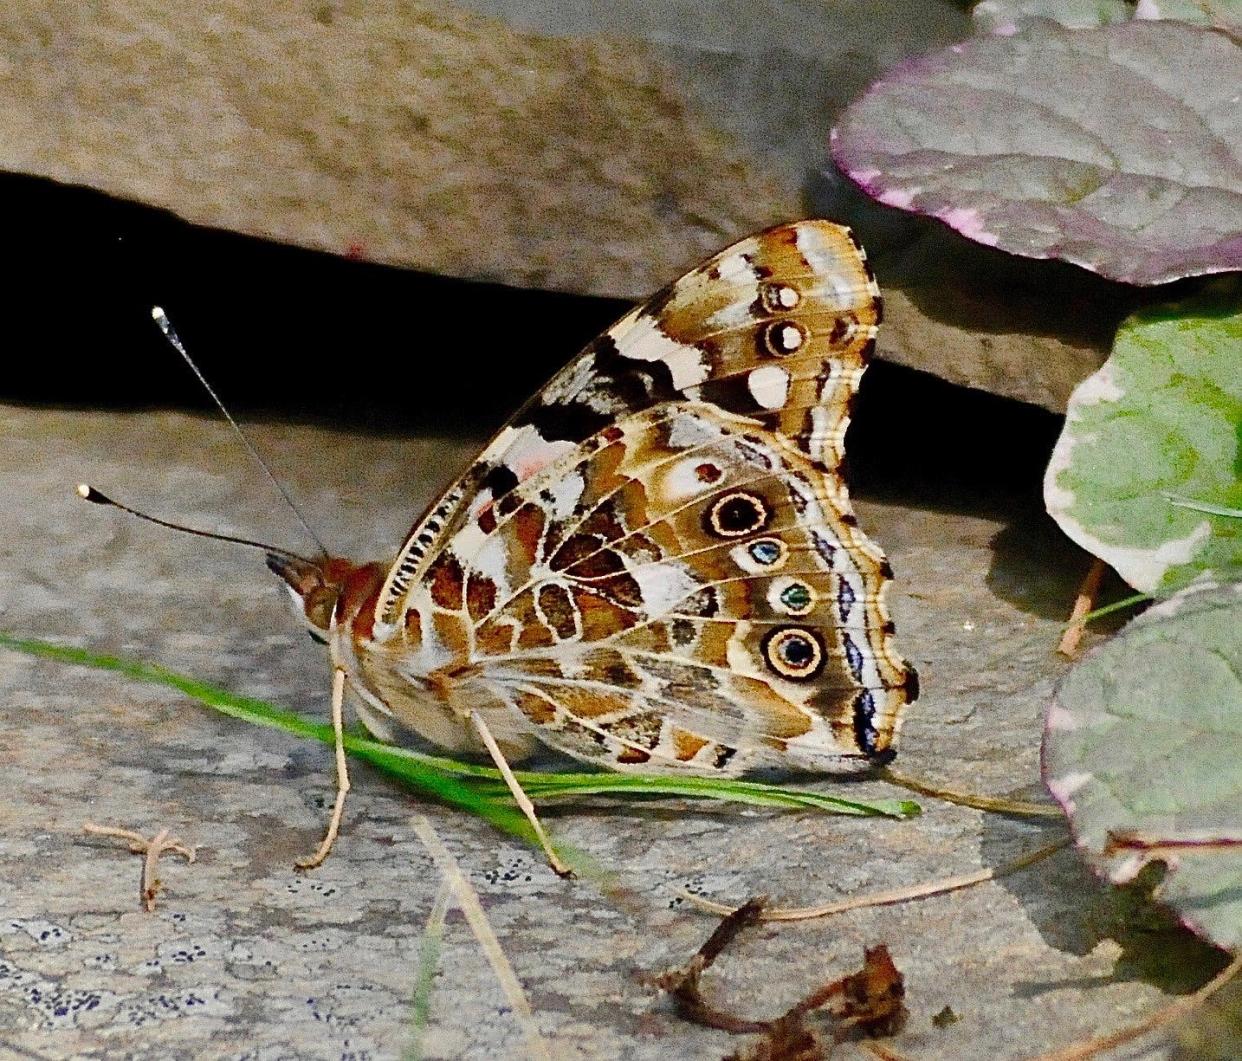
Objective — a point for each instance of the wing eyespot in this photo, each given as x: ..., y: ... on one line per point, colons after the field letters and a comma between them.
x: 768, y: 552
x: 794, y: 652
x: 782, y: 338
x: 794, y: 597
x: 779, y: 298
x: 736, y: 514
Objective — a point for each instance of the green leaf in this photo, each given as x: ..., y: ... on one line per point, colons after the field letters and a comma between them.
x: 1143, y: 749
x: 1162, y: 417
x: 478, y: 789
x: 1002, y: 16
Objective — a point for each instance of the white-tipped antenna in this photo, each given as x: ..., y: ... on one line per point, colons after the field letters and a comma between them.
x: 97, y: 497
x: 170, y: 334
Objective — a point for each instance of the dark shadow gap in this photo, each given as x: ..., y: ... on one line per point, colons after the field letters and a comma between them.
x: 292, y: 334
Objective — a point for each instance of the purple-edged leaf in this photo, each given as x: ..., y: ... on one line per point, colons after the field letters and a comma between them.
x: 1143, y: 749
x: 1114, y: 148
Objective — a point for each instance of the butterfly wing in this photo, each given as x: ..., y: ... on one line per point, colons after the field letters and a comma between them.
x: 777, y: 327
x: 655, y: 563
x: 686, y: 593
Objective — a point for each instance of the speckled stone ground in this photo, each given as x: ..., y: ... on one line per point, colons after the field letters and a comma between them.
x: 246, y: 958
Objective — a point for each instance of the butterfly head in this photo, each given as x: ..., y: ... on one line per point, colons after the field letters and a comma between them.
x: 327, y: 593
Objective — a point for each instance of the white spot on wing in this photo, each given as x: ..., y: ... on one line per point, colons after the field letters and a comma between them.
x: 735, y: 266
x: 529, y: 452
x: 566, y: 493
x: 823, y: 256
x: 769, y: 386
x: 734, y: 315
x: 643, y: 340
x: 663, y: 586
x: 492, y: 561
x: 683, y: 480
x: 687, y: 431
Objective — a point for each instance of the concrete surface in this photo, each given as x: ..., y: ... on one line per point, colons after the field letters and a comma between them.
x: 244, y: 958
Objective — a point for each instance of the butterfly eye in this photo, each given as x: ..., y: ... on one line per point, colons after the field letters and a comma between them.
x: 736, y: 514
x: 777, y: 297
x: 793, y: 653
x: 782, y: 338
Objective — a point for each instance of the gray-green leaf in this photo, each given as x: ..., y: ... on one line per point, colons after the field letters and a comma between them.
x: 1002, y: 16
x: 1143, y: 749
x: 1159, y: 425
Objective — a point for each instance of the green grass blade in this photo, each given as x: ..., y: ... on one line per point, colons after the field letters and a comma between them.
x: 425, y: 974
x: 478, y: 789
x: 547, y: 786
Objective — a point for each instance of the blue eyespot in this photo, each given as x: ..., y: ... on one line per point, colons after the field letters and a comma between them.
x: 765, y: 551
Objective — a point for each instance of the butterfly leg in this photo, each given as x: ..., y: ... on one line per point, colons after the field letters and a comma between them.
x: 520, y: 797
x: 342, y: 774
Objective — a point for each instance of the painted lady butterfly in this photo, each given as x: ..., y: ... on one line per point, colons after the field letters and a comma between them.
x: 654, y: 565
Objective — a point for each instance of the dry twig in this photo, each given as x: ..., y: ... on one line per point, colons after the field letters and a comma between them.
x: 151, y: 849
x: 870, y: 1000
x: 897, y: 895
x: 468, y: 901
x: 1083, y: 603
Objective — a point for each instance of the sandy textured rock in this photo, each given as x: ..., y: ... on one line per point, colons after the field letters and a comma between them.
x: 246, y: 958
x: 413, y: 133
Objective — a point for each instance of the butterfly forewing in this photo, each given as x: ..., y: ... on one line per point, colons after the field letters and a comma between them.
x: 777, y: 327
x: 655, y: 563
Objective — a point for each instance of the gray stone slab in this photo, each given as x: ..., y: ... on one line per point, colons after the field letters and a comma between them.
x: 246, y: 958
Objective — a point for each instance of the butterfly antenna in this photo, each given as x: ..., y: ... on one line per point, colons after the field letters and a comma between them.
x: 96, y: 497
x: 170, y: 334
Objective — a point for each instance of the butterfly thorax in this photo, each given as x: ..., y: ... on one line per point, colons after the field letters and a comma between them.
x: 391, y: 676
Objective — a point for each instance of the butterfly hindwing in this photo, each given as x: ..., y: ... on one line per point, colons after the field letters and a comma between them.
x: 690, y: 569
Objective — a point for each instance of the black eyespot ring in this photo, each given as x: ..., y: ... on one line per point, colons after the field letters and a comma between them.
x: 736, y: 514
x: 782, y: 338
x: 794, y: 652
x: 779, y: 297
